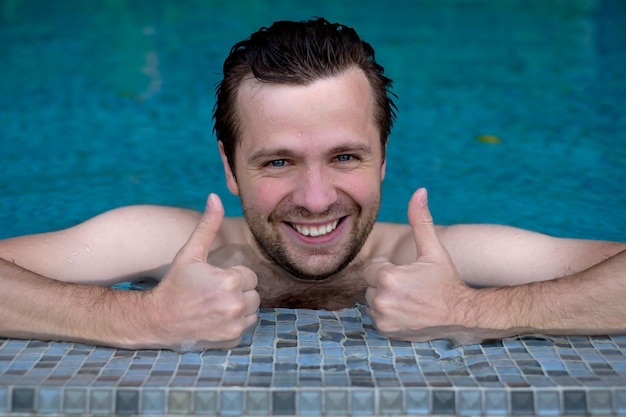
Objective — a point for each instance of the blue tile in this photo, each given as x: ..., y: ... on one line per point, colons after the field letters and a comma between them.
x: 599, y: 402
x: 548, y: 403
x: 231, y: 403
x: 205, y: 402
x: 417, y: 401
x: 522, y: 402
x: 258, y: 403
x: 496, y: 402
x: 283, y: 402
x: 23, y: 400
x: 127, y: 401
x: 4, y: 403
x: 336, y: 402
x: 443, y: 401
x: 179, y: 401
x: 469, y: 402
x: 49, y: 400
x: 362, y: 402
x: 309, y: 402
x: 390, y: 401
x: 152, y: 401
x: 574, y: 402
x: 75, y: 401
x: 101, y: 401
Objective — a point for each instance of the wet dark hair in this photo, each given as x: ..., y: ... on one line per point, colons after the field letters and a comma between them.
x: 298, y: 53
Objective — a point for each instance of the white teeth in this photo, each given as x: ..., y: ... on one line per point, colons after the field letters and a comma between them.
x: 316, y: 231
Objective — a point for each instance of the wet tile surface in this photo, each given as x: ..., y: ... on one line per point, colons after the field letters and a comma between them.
x: 304, y: 362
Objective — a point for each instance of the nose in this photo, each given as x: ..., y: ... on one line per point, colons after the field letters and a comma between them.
x: 315, y: 190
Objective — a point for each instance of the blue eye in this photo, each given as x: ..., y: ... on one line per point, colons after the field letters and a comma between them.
x: 344, y: 158
x: 278, y: 163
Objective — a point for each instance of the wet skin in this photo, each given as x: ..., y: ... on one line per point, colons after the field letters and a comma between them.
x: 308, y: 171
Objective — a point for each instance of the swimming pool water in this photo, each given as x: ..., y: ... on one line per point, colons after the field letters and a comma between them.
x: 108, y: 103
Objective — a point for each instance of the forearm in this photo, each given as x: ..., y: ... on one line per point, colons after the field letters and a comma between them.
x: 586, y: 303
x: 32, y: 306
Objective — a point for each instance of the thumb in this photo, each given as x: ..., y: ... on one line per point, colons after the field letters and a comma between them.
x: 199, y: 243
x: 422, y: 224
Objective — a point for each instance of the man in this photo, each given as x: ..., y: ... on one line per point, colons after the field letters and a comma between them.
x: 302, y: 119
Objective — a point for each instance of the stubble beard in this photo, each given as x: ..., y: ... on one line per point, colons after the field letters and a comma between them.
x: 272, y: 246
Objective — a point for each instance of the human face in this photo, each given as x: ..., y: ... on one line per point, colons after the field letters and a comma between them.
x: 309, y: 168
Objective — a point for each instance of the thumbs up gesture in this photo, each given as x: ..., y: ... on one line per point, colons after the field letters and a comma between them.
x: 198, y: 306
x: 423, y: 300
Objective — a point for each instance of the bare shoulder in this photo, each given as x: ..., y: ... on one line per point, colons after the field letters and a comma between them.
x: 393, y: 241
x: 234, y: 231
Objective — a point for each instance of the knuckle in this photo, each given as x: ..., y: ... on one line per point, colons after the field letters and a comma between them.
x: 382, y: 303
x: 232, y: 334
x: 378, y: 303
x: 386, y: 278
x: 232, y: 281
x: 386, y: 327
x: 233, y: 308
x: 254, y: 301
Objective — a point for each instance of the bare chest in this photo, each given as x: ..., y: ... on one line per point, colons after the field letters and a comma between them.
x: 277, y: 289
x: 344, y: 292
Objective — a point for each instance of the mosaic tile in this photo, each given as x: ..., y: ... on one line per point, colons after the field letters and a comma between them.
x: 309, y: 402
x: 335, y: 376
x: 496, y: 402
x: 260, y: 403
x: 23, y: 400
x: 284, y: 402
x: 75, y: 401
x: 101, y: 401
x: 127, y: 401
x: 205, y: 402
x: 231, y: 402
x: 469, y: 402
x: 417, y: 401
x: 4, y: 403
x: 336, y: 402
x: 390, y: 401
x: 152, y: 401
x: 522, y: 402
x: 548, y: 403
x: 599, y: 402
x: 362, y: 402
x: 574, y: 402
x: 49, y: 400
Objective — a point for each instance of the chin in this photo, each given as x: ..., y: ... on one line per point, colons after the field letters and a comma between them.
x: 311, y: 278
x: 316, y: 274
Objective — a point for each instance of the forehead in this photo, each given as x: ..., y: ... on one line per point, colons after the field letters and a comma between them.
x: 337, y: 107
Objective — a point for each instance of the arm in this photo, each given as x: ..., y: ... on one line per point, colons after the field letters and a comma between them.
x: 590, y: 302
x: 32, y: 306
x: 121, y: 244
x: 196, y: 306
x: 427, y: 299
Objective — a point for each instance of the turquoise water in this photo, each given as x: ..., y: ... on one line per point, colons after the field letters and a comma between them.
x: 108, y: 103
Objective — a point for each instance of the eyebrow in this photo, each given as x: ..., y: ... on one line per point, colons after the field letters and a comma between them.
x: 279, y: 153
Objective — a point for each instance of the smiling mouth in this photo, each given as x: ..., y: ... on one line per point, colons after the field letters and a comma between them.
x: 315, y: 231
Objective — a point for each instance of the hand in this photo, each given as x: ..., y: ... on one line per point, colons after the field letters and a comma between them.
x: 426, y: 299
x: 199, y: 306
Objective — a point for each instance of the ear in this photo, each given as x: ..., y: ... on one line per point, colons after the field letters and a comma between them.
x: 383, y: 169
x: 231, y: 181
